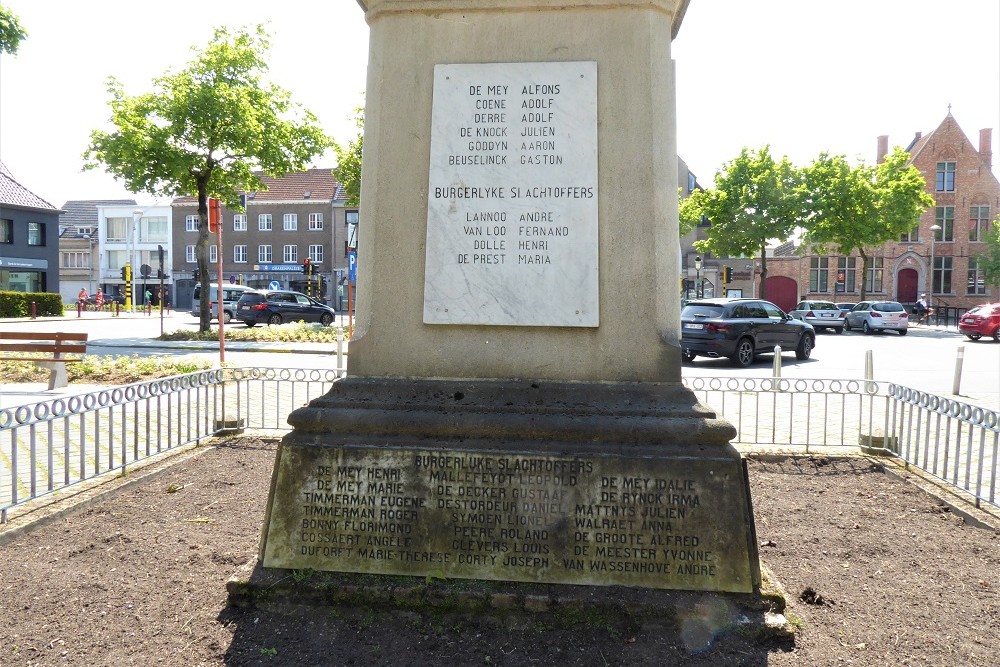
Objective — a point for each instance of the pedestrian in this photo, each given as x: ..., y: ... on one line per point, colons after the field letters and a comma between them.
x: 921, y: 309
x: 99, y: 299
x: 82, y: 297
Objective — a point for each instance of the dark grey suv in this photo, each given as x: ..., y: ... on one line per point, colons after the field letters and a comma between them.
x: 278, y: 306
x: 741, y: 329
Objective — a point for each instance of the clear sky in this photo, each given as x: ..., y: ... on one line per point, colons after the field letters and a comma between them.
x: 803, y: 76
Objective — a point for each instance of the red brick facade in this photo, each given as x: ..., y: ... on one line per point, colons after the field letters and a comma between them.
x: 967, y: 199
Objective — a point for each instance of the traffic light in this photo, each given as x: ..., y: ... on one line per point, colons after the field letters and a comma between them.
x: 727, y: 274
x: 124, y: 273
x: 306, y: 265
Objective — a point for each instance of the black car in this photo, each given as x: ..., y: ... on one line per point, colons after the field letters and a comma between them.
x: 278, y: 306
x: 741, y: 329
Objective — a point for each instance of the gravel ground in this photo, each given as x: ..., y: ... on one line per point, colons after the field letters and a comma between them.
x: 877, y: 572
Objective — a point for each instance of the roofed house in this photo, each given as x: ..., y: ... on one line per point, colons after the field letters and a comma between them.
x: 302, y: 215
x: 80, y: 247
x: 959, y: 176
x: 29, y: 238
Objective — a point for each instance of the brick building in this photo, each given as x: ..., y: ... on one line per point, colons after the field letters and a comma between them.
x: 966, y: 193
x: 300, y: 215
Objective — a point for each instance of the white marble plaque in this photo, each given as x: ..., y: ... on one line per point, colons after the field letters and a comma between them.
x: 512, y: 197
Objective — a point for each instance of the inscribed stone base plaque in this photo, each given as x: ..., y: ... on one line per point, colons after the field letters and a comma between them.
x: 632, y: 485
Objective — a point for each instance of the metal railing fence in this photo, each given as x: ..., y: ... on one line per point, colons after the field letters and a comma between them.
x: 953, y: 441
x: 50, y: 446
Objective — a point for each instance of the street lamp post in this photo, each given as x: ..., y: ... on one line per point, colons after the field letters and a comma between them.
x: 697, y: 269
x: 930, y: 289
x: 136, y: 218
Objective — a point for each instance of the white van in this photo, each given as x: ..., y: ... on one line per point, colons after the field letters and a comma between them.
x: 230, y: 295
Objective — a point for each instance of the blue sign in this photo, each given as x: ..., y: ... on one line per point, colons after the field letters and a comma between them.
x: 352, y: 266
x: 278, y: 267
x: 274, y: 284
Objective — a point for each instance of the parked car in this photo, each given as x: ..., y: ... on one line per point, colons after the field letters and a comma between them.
x: 878, y: 316
x: 981, y: 321
x: 820, y: 314
x: 741, y: 329
x: 278, y: 306
x: 230, y: 295
x: 846, y: 307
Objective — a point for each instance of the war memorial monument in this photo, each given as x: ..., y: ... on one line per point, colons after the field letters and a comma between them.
x: 513, y: 409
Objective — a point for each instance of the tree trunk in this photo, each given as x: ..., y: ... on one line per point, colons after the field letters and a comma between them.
x: 864, y: 273
x: 201, y: 254
x: 763, y: 271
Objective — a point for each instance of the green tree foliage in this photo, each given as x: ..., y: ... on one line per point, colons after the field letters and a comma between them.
x: 858, y: 209
x: 689, y: 215
x: 204, y: 130
x: 348, y: 170
x: 11, y: 32
x: 755, y: 200
x: 989, y: 260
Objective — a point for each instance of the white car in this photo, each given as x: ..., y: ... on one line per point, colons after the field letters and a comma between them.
x: 878, y: 316
x: 820, y: 314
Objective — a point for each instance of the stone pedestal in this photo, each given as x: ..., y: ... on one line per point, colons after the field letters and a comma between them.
x: 514, y: 409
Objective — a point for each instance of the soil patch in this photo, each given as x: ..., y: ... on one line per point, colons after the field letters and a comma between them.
x: 877, y: 573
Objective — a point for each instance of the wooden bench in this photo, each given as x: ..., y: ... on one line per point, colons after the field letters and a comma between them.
x: 54, y: 344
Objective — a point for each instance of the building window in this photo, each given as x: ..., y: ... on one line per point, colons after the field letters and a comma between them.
x: 290, y: 254
x: 945, y: 177
x: 944, y: 216
x: 189, y: 255
x: 117, y: 229
x: 846, y: 272
x: 316, y: 253
x: 240, y: 254
x: 912, y: 236
x: 154, y: 230
x: 290, y: 222
x: 36, y: 233
x: 315, y: 222
x: 264, y: 253
x: 240, y: 222
x: 819, y: 274
x: 941, y: 276
x: 977, y: 280
x: 873, y: 281
x: 6, y: 231
x: 190, y: 223
x: 264, y: 222
x: 979, y: 221
x: 213, y: 254
x: 76, y: 260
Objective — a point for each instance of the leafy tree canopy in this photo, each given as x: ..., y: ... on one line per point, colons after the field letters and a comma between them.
x: 204, y: 130
x: 348, y: 170
x: 989, y: 259
x: 857, y: 209
x: 755, y: 199
x: 11, y: 32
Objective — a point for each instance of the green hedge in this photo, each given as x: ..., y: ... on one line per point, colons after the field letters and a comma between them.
x: 18, y: 304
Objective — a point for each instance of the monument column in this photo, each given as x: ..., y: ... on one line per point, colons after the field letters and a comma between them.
x: 513, y: 408
x: 630, y: 283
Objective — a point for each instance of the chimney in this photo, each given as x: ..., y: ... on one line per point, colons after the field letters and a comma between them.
x: 986, y: 146
x: 883, y: 149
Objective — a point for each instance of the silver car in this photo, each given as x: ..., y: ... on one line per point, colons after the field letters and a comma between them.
x: 878, y: 316
x: 820, y: 314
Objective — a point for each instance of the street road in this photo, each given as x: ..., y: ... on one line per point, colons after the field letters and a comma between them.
x: 925, y: 359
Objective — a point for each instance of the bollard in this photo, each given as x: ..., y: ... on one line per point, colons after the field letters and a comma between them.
x: 776, y: 367
x: 957, y: 382
x: 34, y: 310
x: 869, y: 372
x: 340, y: 348
x: 79, y: 307
x: 118, y: 309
